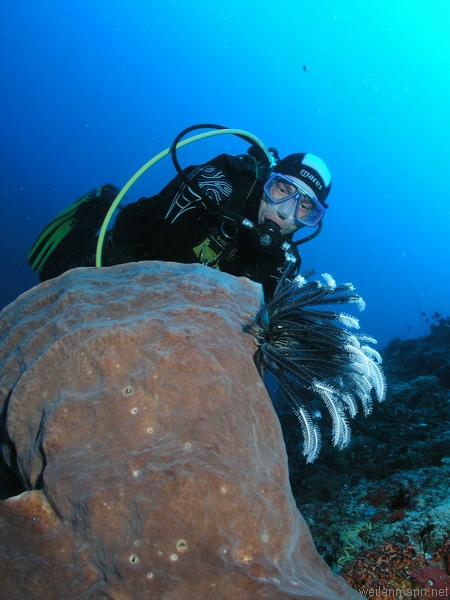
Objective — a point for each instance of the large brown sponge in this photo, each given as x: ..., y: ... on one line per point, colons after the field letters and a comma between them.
x: 152, y: 458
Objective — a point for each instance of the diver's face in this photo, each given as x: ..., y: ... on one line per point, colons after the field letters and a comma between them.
x: 284, y: 203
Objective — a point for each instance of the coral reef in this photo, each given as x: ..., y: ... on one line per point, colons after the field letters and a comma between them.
x: 149, y: 456
x: 398, y: 570
x: 386, y: 495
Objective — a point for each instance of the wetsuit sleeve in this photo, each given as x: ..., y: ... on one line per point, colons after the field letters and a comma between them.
x: 207, y: 180
x: 174, y: 201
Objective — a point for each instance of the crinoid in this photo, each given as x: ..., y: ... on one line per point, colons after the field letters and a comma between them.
x: 315, y: 358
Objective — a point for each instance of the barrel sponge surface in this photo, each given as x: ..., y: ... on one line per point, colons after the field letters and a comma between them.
x: 151, y: 458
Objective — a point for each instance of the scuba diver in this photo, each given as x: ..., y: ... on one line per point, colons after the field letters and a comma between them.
x: 235, y: 213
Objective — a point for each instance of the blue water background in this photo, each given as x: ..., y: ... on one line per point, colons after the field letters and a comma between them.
x: 91, y: 90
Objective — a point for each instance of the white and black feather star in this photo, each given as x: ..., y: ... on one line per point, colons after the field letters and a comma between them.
x: 312, y: 353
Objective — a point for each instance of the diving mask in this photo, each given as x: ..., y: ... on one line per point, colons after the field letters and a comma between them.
x: 304, y: 207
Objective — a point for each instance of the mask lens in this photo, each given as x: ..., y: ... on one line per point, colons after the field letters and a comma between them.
x: 279, y: 189
x: 309, y: 211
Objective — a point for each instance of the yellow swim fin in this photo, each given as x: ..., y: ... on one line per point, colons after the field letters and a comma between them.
x: 88, y: 211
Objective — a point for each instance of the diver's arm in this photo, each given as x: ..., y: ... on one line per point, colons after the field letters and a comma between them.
x: 210, y: 189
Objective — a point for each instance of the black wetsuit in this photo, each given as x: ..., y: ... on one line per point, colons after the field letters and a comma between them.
x: 178, y: 225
